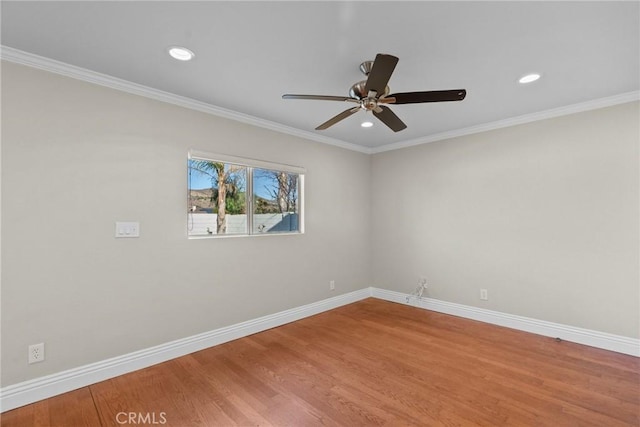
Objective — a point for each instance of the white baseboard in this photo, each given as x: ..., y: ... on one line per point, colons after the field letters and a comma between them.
x: 21, y: 394
x: 617, y: 343
x: 26, y: 392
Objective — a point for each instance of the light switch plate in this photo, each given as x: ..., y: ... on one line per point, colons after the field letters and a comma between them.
x: 127, y: 229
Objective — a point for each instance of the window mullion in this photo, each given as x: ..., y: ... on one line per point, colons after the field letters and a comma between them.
x: 249, y: 200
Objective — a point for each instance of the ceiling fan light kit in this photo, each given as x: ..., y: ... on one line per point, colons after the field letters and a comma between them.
x: 373, y: 93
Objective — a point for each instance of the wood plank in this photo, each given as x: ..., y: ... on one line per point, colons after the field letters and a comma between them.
x: 75, y: 408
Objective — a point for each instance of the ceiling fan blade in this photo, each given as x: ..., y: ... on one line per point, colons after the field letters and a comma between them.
x: 381, y: 72
x: 388, y: 117
x: 332, y: 121
x: 319, y: 97
x: 430, y: 96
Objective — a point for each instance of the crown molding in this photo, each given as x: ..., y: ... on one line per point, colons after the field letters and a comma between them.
x: 518, y: 120
x: 29, y: 59
x: 40, y: 62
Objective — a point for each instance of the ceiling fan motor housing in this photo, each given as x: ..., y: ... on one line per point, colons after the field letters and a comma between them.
x: 358, y: 91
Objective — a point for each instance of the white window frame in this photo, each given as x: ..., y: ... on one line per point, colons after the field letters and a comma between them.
x: 252, y: 164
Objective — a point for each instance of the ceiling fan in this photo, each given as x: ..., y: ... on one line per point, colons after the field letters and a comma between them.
x: 373, y: 93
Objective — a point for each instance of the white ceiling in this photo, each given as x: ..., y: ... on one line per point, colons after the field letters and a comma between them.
x: 250, y: 53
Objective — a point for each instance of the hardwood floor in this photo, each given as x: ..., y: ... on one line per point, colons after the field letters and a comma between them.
x: 366, y: 364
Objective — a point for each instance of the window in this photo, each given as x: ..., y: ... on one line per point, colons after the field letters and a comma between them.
x: 230, y: 196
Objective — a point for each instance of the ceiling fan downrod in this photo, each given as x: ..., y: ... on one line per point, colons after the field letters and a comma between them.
x: 366, y: 67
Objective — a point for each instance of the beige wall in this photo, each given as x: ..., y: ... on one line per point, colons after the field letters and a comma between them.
x: 77, y: 157
x: 543, y: 215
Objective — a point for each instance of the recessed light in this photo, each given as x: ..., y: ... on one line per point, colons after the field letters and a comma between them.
x: 366, y: 124
x: 181, y: 53
x: 529, y: 78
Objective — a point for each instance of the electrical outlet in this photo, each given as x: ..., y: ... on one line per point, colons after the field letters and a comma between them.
x: 484, y: 294
x: 332, y: 285
x: 36, y: 353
